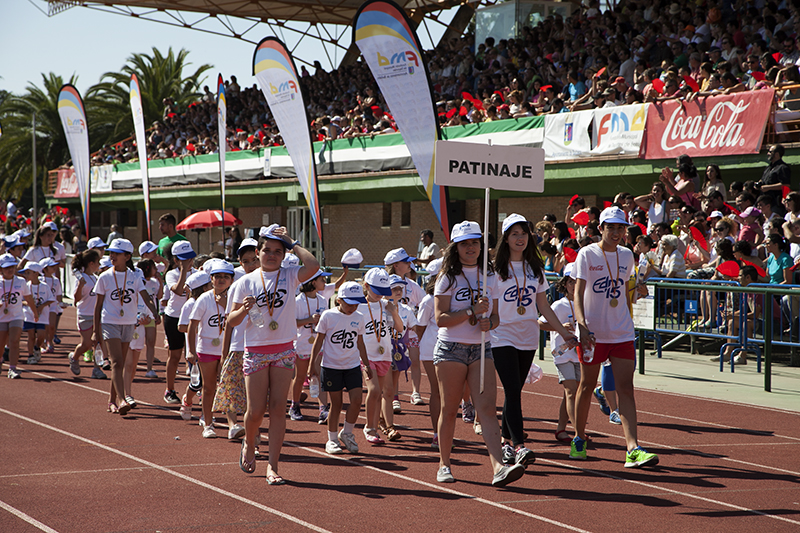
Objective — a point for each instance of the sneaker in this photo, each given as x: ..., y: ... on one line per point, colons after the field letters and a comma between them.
x: 374, y: 440
x: 444, y: 475
x: 209, y: 433
x: 88, y: 357
x: 151, y: 374
x: 35, y: 358
x: 508, y: 454
x: 171, y: 397
x: 524, y: 456
x: 107, y: 365
x: 467, y: 412
x: 98, y: 374
x: 740, y: 360
x: 614, y: 418
x: 577, y: 449
x: 715, y: 359
x: 396, y: 407
x: 477, y: 427
x: 640, y: 457
x: 294, y: 412
x: 13, y: 374
x: 601, y: 399
x: 202, y: 421
x: 349, y: 441
x: 323, y: 414
x: 56, y: 339
x: 416, y: 399
x: 333, y: 448
x: 74, y: 365
x: 435, y: 442
x: 236, y: 432
x: 507, y: 474
x: 186, y: 409
x: 130, y: 401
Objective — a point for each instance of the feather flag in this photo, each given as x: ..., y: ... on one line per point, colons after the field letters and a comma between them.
x: 73, y: 120
x: 141, y: 146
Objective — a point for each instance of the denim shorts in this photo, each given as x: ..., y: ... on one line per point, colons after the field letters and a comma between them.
x: 459, y: 353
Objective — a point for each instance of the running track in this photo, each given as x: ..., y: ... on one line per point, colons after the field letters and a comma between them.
x: 70, y: 466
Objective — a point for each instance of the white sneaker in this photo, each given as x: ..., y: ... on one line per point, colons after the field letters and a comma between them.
x: 416, y: 399
x: 209, y: 433
x: 151, y: 374
x: 186, y: 410
x: 236, y: 432
x: 396, y: 407
x: 444, y: 475
x: 202, y: 422
x: 13, y: 374
x: 333, y: 448
x: 349, y: 441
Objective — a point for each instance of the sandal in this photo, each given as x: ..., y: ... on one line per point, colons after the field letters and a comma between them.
x: 392, y: 434
x: 375, y: 440
x: 248, y: 467
x: 275, y: 479
x: 563, y: 436
x: 112, y: 408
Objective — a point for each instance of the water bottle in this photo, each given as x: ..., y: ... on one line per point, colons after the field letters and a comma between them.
x: 563, y: 348
x: 195, y: 375
x: 256, y: 317
x: 586, y: 355
x: 98, y: 356
x: 313, y: 387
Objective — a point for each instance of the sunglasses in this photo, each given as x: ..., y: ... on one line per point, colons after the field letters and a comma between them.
x: 720, y: 229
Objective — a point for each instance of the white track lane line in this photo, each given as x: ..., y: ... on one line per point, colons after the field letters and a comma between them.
x: 29, y: 519
x: 171, y: 472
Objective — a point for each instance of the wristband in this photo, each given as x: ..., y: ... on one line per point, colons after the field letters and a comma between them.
x: 491, y: 324
x: 295, y: 243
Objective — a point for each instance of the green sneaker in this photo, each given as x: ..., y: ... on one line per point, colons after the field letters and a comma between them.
x: 640, y: 457
x: 577, y: 449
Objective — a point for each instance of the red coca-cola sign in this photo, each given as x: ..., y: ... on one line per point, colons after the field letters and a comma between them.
x: 717, y: 125
x: 67, y: 185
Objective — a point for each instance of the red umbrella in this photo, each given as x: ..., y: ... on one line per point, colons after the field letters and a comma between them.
x: 211, y: 218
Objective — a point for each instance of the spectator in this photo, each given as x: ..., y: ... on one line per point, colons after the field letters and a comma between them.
x: 430, y: 250
x: 166, y: 225
x: 114, y: 234
x: 777, y: 174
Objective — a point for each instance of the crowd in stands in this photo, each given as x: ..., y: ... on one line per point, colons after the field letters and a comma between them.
x: 637, y: 52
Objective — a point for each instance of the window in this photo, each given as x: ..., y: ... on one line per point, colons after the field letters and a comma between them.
x: 386, y: 221
x: 405, y: 214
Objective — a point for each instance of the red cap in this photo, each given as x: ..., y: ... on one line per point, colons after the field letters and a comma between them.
x: 619, y: 79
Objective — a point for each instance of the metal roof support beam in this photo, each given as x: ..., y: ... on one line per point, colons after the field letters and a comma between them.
x: 459, y: 23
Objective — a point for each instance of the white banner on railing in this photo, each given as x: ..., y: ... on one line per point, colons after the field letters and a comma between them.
x: 100, y: 178
x: 618, y: 130
x: 566, y: 135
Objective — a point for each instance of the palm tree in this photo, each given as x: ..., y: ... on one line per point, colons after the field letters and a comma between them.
x: 160, y: 76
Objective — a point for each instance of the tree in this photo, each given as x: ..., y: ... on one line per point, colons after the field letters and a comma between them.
x: 160, y: 76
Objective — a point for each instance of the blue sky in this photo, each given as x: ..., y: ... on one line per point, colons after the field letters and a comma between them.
x: 89, y: 43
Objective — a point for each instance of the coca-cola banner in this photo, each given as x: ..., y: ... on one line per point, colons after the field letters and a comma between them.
x: 717, y: 125
x: 67, y: 185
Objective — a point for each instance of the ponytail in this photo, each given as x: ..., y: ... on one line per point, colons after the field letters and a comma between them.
x: 82, y: 259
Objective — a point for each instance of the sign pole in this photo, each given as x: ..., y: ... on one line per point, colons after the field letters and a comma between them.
x: 485, y: 267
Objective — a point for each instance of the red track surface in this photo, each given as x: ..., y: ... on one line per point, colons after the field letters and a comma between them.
x: 70, y: 466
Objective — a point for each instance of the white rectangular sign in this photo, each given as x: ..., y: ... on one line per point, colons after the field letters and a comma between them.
x: 566, y: 135
x: 480, y: 166
x: 618, y: 130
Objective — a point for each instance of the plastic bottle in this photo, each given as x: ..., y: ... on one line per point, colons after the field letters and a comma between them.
x: 256, y: 317
x: 563, y: 348
x: 98, y: 356
x: 195, y: 375
x: 586, y: 355
x: 313, y: 387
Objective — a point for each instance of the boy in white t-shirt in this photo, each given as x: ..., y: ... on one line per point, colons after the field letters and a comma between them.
x: 605, y: 327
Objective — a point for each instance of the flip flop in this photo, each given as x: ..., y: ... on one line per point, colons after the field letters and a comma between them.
x: 112, y: 408
x: 275, y: 479
x: 563, y: 436
x: 248, y: 467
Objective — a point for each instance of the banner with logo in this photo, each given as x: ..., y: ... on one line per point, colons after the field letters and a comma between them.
x: 222, y: 135
x: 618, y: 130
x: 67, y: 185
x: 717, y: 125
x: 566, y: 135
x: 141, y: 145
x: 73, y: 120
x: 100, y: 178
x: 276, y: 73
x: 393, y: 53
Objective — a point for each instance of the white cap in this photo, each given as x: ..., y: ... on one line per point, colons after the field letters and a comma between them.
x: 716, y: 214
x: 8, y: 260
x: 121, y: 246
x: 318, y: 274
x: 198, y: 279
x: 146, y: 247
x: 33, y: 266
x: 352, y: 293
x: 246, y: 244
x: 217, y: 266
x: 290, y: 260
x: 105, y: 262
x: 396, y: 256
x: 268, y: 232
x: 568, y: 270
x: 96, y: 242
x: 183, y: 250
x: 11, y: 241
x: 434, y: 267
x: 22, y: 233
x: 512, y: 219
x: 378, y: 280
x: 50, y: 225
x: 464, y: 231
x: 394, y: 279
x: 352, y: 258
x: 48, y: 262
x: 613, y: 215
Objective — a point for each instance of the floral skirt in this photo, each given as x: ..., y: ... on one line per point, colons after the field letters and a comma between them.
x: 231, y: 395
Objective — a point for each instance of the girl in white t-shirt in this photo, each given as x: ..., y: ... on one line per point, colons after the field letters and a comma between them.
x: 197, y: 284
x: 42, y: 298
x: 118, y: 290
x: 15, y: 291
x: 49, y: 271
x: 466, y: 310
x: 85, y: 264
x: 206, y: 333
x: 143, y: 318
x: 154, y: 286
x: 269, y: 341
x: 521, y: 296
x: 428, y: 332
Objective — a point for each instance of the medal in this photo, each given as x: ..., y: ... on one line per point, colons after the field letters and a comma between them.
x: 273, y: 325
x: 215, y: 342
x: 135, y: 335
x: 5, y: 310
x: 381, y: 349
x: 121, y: 312
x: 614, y: 302
x: 473, y: 320
x: 521, y: 310
x: 311, y: 340
x: 271, y: 301
x: 398, y: 356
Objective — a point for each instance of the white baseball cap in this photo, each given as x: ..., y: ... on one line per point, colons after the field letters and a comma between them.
x: 121, y: 246
x: 568, y: 270
x: 33, y: 266
x: 217, y: 266
x: 268, y: 232
x: 182, y: 250
x: 8, y: 260
x: 465, y: 231
x: 290, y: 260
x: 48, y: 262
x: 394, y: 280
x: 146, y: 247
x: 198, y: 279
x: 96, y: 242
x: 22, y: 233
x: 434, y: 267
x: 50, y: 225
x: 396, y: 256
x: 11, y: 241
x: 247, y: 243
x: 105, y: 262
x: 318, y: 274
x: 352, y: 293
x: 352, y: 258
x: 716, y: 214
x: 613, y: 215
x: 378, y: 280
x: 512, y: 219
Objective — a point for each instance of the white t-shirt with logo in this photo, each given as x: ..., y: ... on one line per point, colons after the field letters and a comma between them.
x: 176, y: 301
x: 41, y: 294
x: 211, y: 317
x: 281, y: 286
x: 237, y: 335
x: 12, y: 294
x: 37, y: 253
x: 121, y: 290
x: 55, y: 287
x: 412, y: 297
x: 186, y: 312
x: 608, y: 324
x: 306, y: 307
x: 340, y: 348
x: 379, y: 321
x: 459, y: 293
x: 426, y: 317
x: 519, y: 331
x: 88, y: 299
x: 564, y: 311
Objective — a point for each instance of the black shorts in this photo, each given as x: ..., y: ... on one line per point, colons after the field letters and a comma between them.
x: 175, y: 339
x: 334, y: 380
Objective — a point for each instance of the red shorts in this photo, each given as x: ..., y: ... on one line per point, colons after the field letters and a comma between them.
x: 620, y: 350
